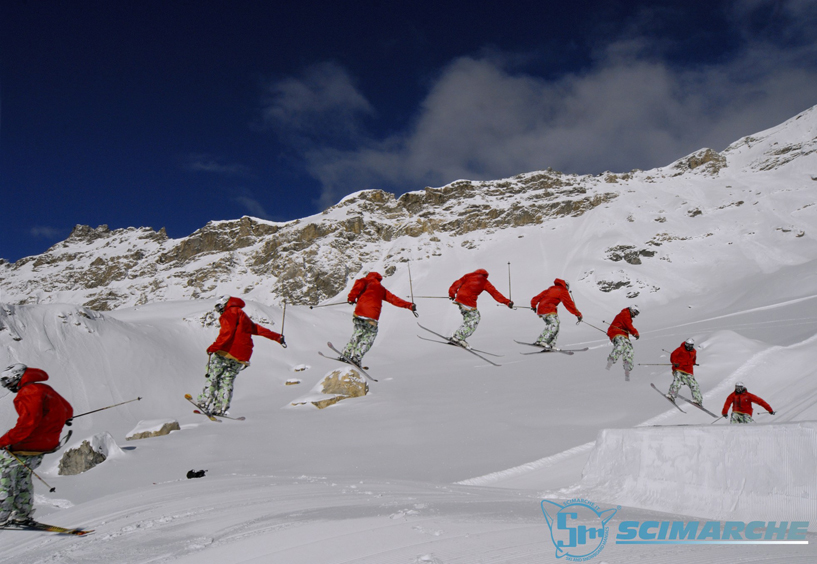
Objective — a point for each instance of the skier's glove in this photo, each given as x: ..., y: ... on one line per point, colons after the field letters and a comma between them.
x: 725, y: 415
x: 283, y: 342
x: 414, y: 310
x: 532, y: 308
x: 69, y: 422
x: 771, y: 413
x: 350, y: 302
x: 510, y: 305
x: 636, y: 337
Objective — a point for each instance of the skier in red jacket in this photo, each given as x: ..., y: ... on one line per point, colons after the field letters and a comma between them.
x: 619, y: 333
x: 42, y: 412
x: 683, y: 362
x: 368, y: 294
x: 741, y: 401
x: 545, y: 305
x: 229, y: 354
x: 464, y: 292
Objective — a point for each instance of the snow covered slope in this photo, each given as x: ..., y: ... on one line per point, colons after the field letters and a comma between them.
x: 374, y: 479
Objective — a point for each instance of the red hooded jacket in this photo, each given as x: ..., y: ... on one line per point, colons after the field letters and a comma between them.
x: 235, y: 336
x: 683, y: 360
x: 369, y: 295
x: 742, y: 403
x: 42, y: 413
x: 622, y: 325
x: 467, y: 289
x: 547, y: 301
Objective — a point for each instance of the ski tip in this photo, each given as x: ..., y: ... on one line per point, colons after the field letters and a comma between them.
x: 188, y: 396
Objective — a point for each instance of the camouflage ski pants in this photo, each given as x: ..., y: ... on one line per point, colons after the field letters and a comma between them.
x: 16, y: 489
x: 551, y: 332
x: 622, y: 347
x: 741, y: 418
x: 362, y: 339
x: 470, y: 320
x: 217, y: 394
x: 679, y: 379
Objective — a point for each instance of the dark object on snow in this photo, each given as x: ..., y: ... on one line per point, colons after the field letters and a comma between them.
x: 195, y: 474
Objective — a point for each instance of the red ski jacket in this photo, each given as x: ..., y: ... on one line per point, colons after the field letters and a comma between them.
x: 467, y: 289
x: 547, y: 301
x: 683, y: 360
x: 235, y: 336
x: 41, y: 414
x: 369, y: 294
x: 622, y: 325
x: 742, y: 403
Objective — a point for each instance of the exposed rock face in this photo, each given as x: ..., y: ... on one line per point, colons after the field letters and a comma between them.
x: 79, y: 460
x: 303, y: 261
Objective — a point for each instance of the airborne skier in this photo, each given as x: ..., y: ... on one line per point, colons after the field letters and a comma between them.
x: 545, y: 305
x: 368, y: 294
x: 229, y: 354
x: 42, y: 413
x: 619, y: 333
x: 464, y: 292
x: 683, y: 361
x: 741, y: 401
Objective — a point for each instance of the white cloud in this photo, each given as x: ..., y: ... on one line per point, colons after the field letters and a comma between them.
x: 208, y: 163
x: 482, y: 119
x: 322, y: 103
x: 253, y: 207
x: 45, y: 232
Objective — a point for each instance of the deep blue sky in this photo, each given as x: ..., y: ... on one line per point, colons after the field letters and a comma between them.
x: 170, y: 114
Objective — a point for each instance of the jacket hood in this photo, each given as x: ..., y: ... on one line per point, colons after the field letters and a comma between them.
x: 235, y: 302
x: 374, y: 276
x: 482, y: 272
x: 560, y: 282
x: 32, y: 375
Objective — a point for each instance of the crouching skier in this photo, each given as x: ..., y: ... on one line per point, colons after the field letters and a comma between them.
x: 619, y: 333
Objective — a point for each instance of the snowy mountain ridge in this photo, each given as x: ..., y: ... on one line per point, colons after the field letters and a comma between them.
x: 706, y: 200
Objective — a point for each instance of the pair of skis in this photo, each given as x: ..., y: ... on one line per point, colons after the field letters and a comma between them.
x: 37, y: 526
x: 214, y: 418
x: 546, y: 349
x: 345, y: 360
x: 689, y: 401
x: 447, y: 341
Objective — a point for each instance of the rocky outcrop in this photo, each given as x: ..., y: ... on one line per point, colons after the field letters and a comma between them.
x: 303, y: 261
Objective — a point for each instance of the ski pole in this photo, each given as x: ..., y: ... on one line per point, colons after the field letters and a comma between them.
x: 411, y: 289
x: 430, y: 297
x: 27, y: 467
x: 327, y: 305
x: 510, y: 290
x: 283, y: 319
x: 594, y: 327
x: 69, y: 421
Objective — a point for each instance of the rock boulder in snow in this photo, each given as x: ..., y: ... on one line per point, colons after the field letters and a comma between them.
x: 340, y: 384
x: 153, y: 428
x: 88, y: 454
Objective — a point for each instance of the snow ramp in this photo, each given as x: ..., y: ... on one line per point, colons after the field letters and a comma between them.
x: 726, y: 472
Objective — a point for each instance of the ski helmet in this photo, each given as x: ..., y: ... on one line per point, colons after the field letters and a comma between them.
x: 689, y: 344
x: 740, y: 387
x: 634, y: 310
x: 221, y: 303
x: 11, y: 376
